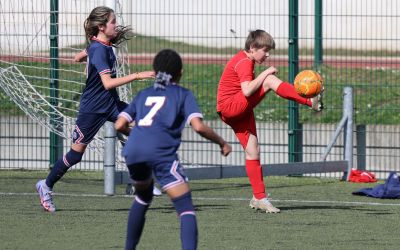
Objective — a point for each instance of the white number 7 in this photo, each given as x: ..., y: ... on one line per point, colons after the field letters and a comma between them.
x: 158, y: 102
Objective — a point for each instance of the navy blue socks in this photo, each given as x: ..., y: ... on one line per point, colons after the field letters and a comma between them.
x: 185, y: 209
x: 183, y: 206
x: 62, y: 165
x: 136, y: 218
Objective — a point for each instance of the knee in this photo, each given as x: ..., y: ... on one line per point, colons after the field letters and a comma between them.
x: 252, y: 155
x: 272, y: 82
x: 253, y: 151
x: 73, y: 157
x: 144, y: 190
x: 183, y: 204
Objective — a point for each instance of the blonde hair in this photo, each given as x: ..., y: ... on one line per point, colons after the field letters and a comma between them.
x: 100, y: 16
x: 259, y: 39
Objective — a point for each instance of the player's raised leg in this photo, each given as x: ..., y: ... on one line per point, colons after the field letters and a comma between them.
x: 45, y: 187
x: 287, y: 91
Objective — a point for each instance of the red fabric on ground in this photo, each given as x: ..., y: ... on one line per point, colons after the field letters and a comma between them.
x: 361, y: 176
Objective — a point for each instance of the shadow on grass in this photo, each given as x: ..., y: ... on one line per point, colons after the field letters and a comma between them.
x: 217, y: 187
x: 330, y: 207
x: 197, y: 208
x: 198, y: 187
x: 162, y: 209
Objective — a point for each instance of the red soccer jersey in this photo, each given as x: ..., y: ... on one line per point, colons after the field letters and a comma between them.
x: 239, y: 69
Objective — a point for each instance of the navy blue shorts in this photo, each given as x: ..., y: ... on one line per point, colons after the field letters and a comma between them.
x: 88, y: 124
x: 167, y: 174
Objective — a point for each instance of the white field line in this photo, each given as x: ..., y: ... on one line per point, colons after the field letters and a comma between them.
x: 351, y: 203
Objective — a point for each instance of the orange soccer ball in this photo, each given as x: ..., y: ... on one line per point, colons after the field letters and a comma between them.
x: 308, y: 83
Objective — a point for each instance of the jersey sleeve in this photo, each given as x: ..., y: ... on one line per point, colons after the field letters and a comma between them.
x: 101, y: 60
x: 191, y: 109
x: 245, y: 70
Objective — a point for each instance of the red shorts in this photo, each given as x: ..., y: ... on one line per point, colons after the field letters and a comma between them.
x: 238, y: 113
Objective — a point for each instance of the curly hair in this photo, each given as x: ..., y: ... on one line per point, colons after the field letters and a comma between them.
x: 168, y: 61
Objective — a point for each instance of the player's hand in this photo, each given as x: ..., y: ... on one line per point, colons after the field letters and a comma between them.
x: 226, y: 149
x: 146, y: 75
x: 271, y: 71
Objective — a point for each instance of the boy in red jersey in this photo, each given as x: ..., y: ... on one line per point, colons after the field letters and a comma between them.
x: 239, y: 92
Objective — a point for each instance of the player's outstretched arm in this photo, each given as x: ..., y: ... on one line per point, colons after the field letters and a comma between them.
x: 206, y: 132
x: 81, y: 56
x: 122, y: 125
x: 110, y: 83
x: 250, y: 87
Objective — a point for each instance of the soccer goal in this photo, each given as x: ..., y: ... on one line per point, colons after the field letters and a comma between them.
x: 37, y: 71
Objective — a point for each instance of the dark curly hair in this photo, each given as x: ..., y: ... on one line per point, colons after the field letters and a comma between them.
x: 170, y: 62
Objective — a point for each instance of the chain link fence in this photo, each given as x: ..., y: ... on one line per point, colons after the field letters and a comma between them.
x: 358, y: 46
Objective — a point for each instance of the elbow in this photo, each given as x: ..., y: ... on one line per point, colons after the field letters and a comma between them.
x: 108, y: 82
x: 246, y: 93
x: 118, y: 127
x: 199, y: 129
x: 77, y: 58
x: 198, y: 126
x: 107, y: 86
x: 121, y: 127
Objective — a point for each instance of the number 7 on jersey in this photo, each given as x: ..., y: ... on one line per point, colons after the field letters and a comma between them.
x: 157, y: 102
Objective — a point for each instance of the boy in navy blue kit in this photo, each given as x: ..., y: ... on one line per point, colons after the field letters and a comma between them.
x: 160, y: 113
x: 99, y: 101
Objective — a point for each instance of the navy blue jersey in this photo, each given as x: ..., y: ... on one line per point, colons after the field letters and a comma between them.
x: 95, y: 98
x: 160, y: 116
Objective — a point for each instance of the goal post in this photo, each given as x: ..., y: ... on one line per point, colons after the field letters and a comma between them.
x: 38, y: 73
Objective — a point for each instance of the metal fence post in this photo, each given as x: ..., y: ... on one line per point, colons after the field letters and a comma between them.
x: 109, y: 138
x: 318, y: 50
x: 293, y: 123
x: 361, y: 147
x: 348, y: 129
x: 109, y: 158
x: 56, y: 141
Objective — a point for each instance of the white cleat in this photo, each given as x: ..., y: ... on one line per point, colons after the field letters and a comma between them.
x: 131, y: 190
x: 156, y: 191
x: 317, y: 104
x: 264, y: 205
x: 46, y: 198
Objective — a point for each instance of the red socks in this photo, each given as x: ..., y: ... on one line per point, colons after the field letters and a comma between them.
x: 254, y: 172
x: 287, y: 91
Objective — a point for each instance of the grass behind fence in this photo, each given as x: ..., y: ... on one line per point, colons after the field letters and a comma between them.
x: 376, y: 92
x: 316, y: 214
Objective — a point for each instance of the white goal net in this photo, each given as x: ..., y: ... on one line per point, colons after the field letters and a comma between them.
x: 25, y: 71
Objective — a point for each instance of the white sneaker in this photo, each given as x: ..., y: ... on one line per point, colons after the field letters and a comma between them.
x: 46, y: 198
x: 156, y: 191
x: 264, y: 205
